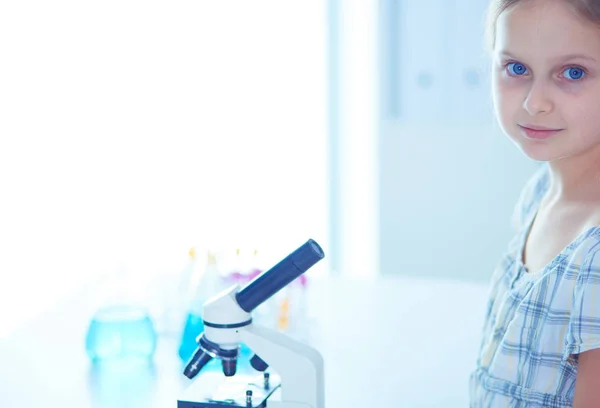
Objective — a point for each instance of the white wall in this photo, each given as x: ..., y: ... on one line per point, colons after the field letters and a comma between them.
x: 446, y: 200
x: 131, y: 131
x: 449, y: 178
x: 427, y: 182
x: 357, y: 145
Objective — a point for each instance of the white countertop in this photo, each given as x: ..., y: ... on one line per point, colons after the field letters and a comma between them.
x: 389, y: 342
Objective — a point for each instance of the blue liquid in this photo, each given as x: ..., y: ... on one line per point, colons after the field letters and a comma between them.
x: 192, y: 329
x: 120, y: 333
x: 194, y: 326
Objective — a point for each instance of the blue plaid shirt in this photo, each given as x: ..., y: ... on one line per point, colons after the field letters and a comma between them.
x: 537, y: 323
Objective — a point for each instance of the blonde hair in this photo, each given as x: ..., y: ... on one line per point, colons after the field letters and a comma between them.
x: 587, y: 9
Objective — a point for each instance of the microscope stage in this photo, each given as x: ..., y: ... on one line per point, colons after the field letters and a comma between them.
x: 213, y: 390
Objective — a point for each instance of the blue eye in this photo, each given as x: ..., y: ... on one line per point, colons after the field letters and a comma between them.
x: 574, y: 73
x: 516, y: 68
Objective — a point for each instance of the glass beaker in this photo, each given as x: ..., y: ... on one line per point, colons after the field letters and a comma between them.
x: 121, y: 329
x: 120, y: 332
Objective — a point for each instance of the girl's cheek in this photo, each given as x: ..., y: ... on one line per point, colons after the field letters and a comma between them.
x: 508, y: 82
x: 507, y: 88
x: 504, y: 82
x: 573, y: 87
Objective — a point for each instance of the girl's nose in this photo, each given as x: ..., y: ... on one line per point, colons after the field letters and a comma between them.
x: 538, y: 101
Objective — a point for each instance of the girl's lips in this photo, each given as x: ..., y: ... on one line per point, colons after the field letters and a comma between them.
x: 538, y: 132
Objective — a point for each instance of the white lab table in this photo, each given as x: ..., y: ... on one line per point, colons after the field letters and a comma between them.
x: 387, y: 342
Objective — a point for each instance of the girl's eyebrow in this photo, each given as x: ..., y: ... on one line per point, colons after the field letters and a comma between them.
x: 560, y: 58
x: 507, y: 54
x: 576, y: 56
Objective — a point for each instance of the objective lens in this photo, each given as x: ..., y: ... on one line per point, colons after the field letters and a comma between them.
x: 258, y: 363
x: 229, y: 367
x: 205, y: 352
x: 197, y: 362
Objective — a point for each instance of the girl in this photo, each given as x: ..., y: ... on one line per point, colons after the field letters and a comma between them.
x: 541, y: 337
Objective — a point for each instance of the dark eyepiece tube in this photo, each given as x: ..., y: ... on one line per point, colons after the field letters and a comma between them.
x: 272, y: 281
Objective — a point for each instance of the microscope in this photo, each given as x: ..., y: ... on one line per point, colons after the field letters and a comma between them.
x: 297, y: 379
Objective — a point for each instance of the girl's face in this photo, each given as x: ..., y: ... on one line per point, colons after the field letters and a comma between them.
x: 546, y: 79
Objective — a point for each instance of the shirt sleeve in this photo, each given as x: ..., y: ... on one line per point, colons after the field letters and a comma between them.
x: 583, y: 331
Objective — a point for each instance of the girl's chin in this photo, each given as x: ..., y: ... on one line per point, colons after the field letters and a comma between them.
x: 537, y: 152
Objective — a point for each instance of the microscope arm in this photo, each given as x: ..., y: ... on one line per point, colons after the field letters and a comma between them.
x: 299, y: 366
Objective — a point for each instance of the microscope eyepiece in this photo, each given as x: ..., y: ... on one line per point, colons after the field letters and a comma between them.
x: 271, y: 281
